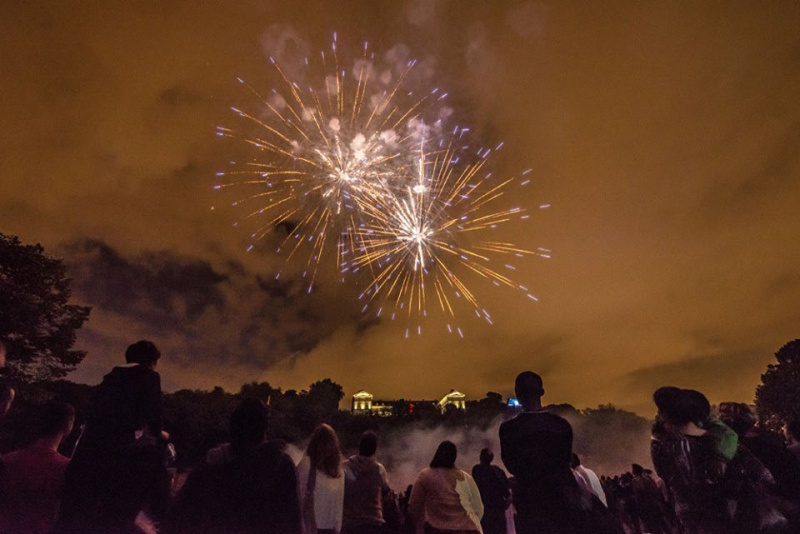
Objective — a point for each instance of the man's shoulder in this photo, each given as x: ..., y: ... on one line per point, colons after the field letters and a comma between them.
x: 534, y: 418
x: 35, y: 457
x: 276, y: 450
x: 128, y: 374
x: 498, y: 471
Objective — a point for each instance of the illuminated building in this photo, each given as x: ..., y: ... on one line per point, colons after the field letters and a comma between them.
x: 364, y: 403
x: 454, y: 398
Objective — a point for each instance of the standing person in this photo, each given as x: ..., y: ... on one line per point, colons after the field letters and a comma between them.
x: 685, y: 457
x: 247, y: 486
x: 118, y: 461
x: 30, y: 487
x: 707, y: 488
x: 445, y: 498
x: 770, y: 450
x: 648, y: 498
x: 536, y: 447
x: 365, y: 483
x: 321, y: 483
x: 495, y: 493
x: 588, y: 479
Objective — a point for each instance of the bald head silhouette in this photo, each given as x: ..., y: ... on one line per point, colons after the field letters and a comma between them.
x: 529, y: 390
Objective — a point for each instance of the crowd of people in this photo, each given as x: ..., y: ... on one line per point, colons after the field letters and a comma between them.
x: 714, y: 474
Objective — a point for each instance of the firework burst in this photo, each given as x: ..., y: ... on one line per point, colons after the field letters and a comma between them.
x: 360, y: 169
x: 323, y: 150
x: 419, y: 243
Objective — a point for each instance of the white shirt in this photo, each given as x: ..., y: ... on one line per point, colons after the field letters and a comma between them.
x: 328, y: 495
x: 592, y: 481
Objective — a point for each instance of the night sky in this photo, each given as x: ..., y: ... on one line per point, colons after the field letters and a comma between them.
x: 665, y: 135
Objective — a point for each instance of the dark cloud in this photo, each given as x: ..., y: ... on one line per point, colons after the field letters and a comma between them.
x: 205, y: 315
x: 163, y: 281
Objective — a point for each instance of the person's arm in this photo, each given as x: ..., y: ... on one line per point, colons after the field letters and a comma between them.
x: 288, y: 515
x: 416, y: 503
x: 508, y: 451
x: 501, y: 475
x: 659, y: 457
x: 339, y: 500
x: 597, y: 487
x: 303, y: 470
x: 475, y: 497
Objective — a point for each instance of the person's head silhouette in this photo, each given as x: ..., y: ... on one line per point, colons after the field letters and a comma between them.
x: 529, y: 390
x: 143, y: 353
x: 248, y: 425
x: 445, y: 456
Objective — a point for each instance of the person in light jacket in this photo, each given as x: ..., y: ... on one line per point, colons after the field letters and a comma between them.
x: 445, y: 498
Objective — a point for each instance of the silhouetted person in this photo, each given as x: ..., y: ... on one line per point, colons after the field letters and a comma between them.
x: 685, y: 456
x: 247, y: 486
x: 365, y: 484
x: 536, y: 447
x: 321, y: 481
x: 119, y: 458
x: 649, y: 500
x: 712, y: 495
x: 495, y: 493
x: 445, y: 498
x: 31, y: 484
x: 770, y: 451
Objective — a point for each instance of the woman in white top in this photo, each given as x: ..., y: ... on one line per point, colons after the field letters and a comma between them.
x: 445, y: 498
x: 321, y: 483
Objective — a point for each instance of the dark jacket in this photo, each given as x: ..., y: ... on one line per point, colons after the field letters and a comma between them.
x: 364, y: 485
x: 251, y: 493
x: 127, y: 401
x: 119, y: 459
x: 536, y: 448
x: 493, y: 485
x: 695, y: 474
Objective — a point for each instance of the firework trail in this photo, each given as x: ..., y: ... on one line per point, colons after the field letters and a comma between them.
x: 361, y: 172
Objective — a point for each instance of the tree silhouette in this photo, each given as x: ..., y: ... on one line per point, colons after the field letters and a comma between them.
x: 326, y: 395
x: 259, y: 390
x: 37, y: 324
x: 778, y: 396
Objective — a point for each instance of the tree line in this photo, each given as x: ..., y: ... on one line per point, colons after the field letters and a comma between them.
x: 38, y: 330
